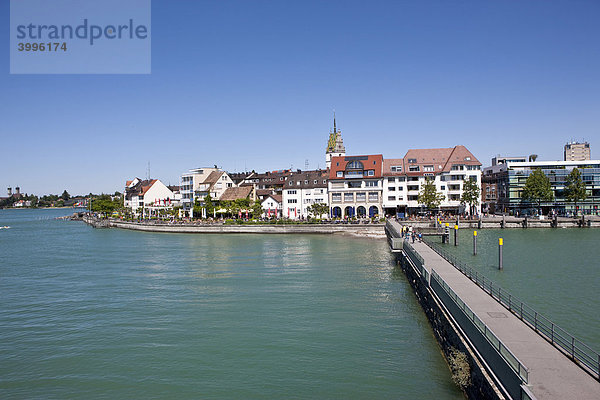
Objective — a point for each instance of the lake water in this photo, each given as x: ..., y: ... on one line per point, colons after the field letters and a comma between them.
x: 105, y: 313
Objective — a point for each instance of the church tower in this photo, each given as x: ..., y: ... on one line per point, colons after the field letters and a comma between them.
x: 335, y: 145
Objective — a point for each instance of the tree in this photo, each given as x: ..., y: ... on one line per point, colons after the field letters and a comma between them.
x: 575, y: 188
x: 533, y: 157
x: 318, y: 209
x: 256, y: 209
x: 104, y: 204
x: 537, y: 188
x: 471, y: 195
x: 65, y: 195
x: 429, y: 196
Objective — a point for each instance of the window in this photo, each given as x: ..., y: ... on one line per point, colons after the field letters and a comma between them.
x: 392, y: 189
x: 324, y: 181
x: 400, y: 188
x: 392, y: 180
x: 354, y: 184
x: 292, y: 201
x: 428, y: 174
x: 281, y: 178
x: 443, y: 187
x: 428, y: 168
x: 412, y: 160
x: 354, y: 165
x: 371, y: 183
x: 339, y: 174
x: 306, y: 182
x: 291, y: 192
x: 316, y: 181
x: 373, y: 196
x: 371, y: 172
x: 337, y: 185
x: 413, y: 168
x: 299, y: 183
x: 348, y: 197
x: 401, y: 179
x: 396, y: 168
x: 457, y: 167
x: 392, y: 198
x: 336, y: 197
x: 361, y: 196
x: 291, y: 183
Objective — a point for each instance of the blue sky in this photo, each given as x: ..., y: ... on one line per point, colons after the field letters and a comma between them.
x: 252, y: 85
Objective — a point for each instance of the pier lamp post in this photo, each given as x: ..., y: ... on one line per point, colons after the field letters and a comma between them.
x: 500, y: 244
x: 474, y: 243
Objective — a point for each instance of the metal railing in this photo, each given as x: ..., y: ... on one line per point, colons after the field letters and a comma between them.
x: 580, y: 352
x: 517, y: 366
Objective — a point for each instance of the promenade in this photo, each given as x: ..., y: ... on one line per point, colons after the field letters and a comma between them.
x: 551, y: 374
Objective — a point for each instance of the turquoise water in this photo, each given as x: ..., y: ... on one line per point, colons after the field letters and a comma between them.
x: 106, y: 313
x: 555, y: 271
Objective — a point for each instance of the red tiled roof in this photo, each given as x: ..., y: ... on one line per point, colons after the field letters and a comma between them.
x: 441, y: 159
x: 234, y: 193
x: 370, y: 162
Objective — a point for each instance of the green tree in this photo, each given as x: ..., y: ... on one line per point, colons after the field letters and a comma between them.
x: 65, y: 195
x: 318, y: 209
x: 471, y: 195
x: 429, y: 196
x: 537, y: 188
x: 575, y: 188
x: 256, y: 209
x: 103, y: 204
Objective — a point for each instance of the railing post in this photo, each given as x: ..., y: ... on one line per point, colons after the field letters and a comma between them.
x: 552, y: 334
x: 521, y: 311
x: 535, y: 321
x: 573, y: 346
x: 509, y: 306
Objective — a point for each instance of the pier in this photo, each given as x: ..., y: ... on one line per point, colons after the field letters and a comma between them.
x: 514, y: 353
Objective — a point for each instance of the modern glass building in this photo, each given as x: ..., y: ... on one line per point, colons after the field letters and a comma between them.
x: 510, y: 179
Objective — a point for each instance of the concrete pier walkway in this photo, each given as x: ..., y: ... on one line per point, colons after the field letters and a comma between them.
x: 552, y: 375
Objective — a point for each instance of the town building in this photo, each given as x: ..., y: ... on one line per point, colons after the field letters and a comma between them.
x: 190, y: 183
x: 355, y: 186
x: 575, y: 151
x: 215, y: 184
x: 395, y: 191
x: 272, y: 206
x: 302, y: 190
x: 510, y: 178
x: 492, y: 186
x: 147, y: 197
x: 449, y: 168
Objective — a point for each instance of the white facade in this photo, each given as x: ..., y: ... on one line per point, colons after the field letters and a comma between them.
x: 148, y: 196
x: 303, y: 189
x: 272, y: 206
x: 190, y: 182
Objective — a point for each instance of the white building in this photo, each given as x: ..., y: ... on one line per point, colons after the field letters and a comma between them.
x: 215, y: 184
x: 303, y: 189
x: 355, y: 187
x: 272, y: 206
x: 190, y: 182
x: 147, y: 197
x: 448, y: 167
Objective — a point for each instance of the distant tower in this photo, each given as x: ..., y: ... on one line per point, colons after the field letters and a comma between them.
x: 17, y: 190
x: 335, y: 145
x: 9, y: 191
x: 575, y: 151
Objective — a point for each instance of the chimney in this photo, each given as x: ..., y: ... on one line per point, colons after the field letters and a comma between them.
x: 17, y: 190
x: 9, y: 191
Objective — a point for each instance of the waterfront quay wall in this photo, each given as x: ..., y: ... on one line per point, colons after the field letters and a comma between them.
x: 450, y: 337
x: 508, y: 222
x: 370, y: 230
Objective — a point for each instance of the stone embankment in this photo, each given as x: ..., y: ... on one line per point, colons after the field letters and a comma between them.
x: 358, y: 230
